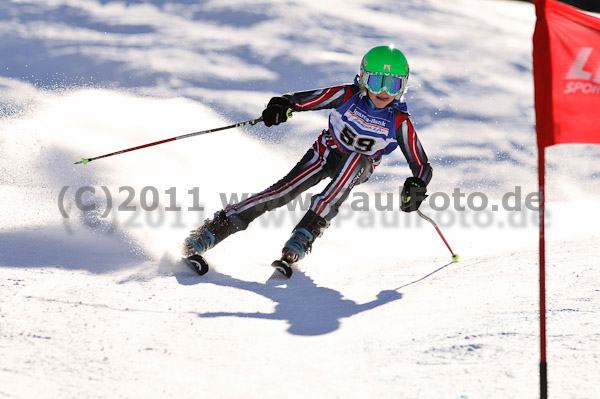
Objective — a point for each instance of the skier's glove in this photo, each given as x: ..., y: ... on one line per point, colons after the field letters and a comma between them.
x: 278, y: 110
x: 413, y: 194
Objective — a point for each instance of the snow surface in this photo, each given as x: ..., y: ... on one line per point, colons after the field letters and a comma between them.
x: 96, y: 305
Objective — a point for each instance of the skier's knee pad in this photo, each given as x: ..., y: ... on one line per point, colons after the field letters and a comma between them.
x: 365, y: 169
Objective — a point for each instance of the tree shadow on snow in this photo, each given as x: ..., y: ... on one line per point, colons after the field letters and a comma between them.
x: 310, y: 310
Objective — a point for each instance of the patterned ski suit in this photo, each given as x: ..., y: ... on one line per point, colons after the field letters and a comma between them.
x: 347, y: 152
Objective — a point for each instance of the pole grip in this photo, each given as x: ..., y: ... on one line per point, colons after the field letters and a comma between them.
x: 543, y: 380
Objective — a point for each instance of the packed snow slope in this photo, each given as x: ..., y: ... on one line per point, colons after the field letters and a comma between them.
x: 93, y: 299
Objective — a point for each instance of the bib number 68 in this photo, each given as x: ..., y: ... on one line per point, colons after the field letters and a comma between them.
x: 362, y: 144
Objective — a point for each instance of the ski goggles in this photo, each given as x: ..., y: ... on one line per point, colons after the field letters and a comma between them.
x: 394, y: 85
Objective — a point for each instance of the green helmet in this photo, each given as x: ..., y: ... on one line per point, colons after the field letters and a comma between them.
x: 384, y: 68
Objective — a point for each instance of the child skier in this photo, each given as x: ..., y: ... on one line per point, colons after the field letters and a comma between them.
x: 368, y: 120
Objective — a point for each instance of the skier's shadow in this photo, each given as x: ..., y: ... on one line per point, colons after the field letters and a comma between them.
x: 309, y: 309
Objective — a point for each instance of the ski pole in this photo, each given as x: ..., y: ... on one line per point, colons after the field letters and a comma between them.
x: 185, y: 136
x: 455, y: 257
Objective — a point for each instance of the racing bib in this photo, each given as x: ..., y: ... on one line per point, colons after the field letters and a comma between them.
x: 358, y: 128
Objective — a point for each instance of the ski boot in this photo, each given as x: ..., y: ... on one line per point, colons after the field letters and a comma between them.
x: 204, y: 238
x: 295, y: 249
x: 300, y: 243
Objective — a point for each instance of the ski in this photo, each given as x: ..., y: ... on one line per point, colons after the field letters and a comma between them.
x: 283, y: 267
x: 197, y: 263
x: 200, y: 266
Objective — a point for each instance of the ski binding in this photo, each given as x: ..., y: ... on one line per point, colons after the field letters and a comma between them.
x: 283, y: 267
x: 197, y: 263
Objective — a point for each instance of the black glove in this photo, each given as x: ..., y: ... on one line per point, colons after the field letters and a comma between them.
x: 413, y: 194
x: 276, y: 111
